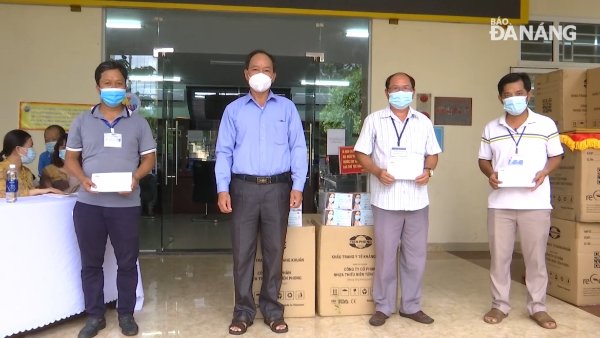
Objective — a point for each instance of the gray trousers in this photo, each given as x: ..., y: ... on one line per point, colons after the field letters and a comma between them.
x: 533, y: 227
x: 258, y: 210
x: 407, y: 230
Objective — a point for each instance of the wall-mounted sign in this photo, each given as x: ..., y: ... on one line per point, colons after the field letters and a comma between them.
x: 348, y: 163
x: 453, y: 111
x: 39, y: 115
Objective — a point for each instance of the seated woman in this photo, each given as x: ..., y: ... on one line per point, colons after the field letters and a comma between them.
x: 54, y: 175
x: 17, y: 149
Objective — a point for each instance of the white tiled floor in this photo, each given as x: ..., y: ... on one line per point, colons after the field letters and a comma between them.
x: 192, y: 295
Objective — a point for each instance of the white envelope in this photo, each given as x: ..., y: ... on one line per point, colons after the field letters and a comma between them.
x: 515, y: 177
x: 406, y: 168
x: 112, y: 182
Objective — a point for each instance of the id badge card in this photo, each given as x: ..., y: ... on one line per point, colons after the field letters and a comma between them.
x: 398, y: 152
x: 112, y: 140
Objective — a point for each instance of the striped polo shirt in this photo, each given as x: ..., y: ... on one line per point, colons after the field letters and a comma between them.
x: 377, y: 138
x: 538, y: 141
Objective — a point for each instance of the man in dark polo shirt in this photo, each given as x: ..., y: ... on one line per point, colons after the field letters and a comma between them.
x: 109, y: 139
x: 261, y: 156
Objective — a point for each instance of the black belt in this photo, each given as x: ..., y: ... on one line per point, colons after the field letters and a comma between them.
x: 280, y: 178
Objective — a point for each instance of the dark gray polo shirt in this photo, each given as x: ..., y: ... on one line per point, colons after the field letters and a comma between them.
x: 87, y: 136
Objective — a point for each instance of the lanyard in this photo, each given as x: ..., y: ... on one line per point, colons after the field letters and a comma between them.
x: 396, y: 129
x: 516, y: 141
x: 112, y: 125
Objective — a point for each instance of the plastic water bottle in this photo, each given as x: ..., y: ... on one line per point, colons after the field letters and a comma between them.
x: 12, y: 184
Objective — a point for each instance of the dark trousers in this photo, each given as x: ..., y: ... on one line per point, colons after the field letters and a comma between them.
x: 93, y: 224
x: 258, y: 210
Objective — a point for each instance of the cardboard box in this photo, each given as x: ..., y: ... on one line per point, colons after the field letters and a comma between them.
x: 297, y: 292
x: 573, y: 262
x: 561, y: 95
x: 348, y: 217
x: 361, y: 201
x: 345, y: 267
x: 345, y: 201
x: 336, y: 200
x: 576, y: 186
x: 593, y: 98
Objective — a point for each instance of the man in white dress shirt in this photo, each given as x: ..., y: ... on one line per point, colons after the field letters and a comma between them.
x: 398, y: 148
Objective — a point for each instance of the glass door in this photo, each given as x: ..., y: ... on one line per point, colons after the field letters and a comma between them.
x: 186, y: 66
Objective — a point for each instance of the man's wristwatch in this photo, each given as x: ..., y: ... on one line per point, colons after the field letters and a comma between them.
x: 430, y: 171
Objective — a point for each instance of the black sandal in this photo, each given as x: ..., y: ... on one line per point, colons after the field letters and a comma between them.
x: 239, y: 324
x: 275, y: 323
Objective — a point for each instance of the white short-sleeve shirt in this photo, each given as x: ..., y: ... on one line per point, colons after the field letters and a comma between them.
x: 377, y: 138
x: 539, y: 141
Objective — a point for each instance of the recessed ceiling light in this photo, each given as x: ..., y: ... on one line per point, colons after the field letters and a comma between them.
x: 326, y: 83
x: 154, y: 78
x: 163, y: 50
x: 124, y: 24
x: 357, y: 33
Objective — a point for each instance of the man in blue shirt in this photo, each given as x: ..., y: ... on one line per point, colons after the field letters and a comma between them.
x: 261, y: 156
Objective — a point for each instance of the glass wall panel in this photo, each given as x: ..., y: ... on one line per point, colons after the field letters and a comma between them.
x: 185, y: 66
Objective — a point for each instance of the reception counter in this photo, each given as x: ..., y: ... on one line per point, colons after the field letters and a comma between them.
x: 40, y: 265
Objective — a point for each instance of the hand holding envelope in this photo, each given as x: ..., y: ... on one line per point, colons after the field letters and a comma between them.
x: 112, y: 182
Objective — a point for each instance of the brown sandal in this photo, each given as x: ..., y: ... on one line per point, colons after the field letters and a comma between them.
x: 239, y: 324
x: 274, y: 324
x: 494, y: 316
x: 543, y: 319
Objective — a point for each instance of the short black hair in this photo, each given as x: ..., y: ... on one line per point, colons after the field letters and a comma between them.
x: 514, y: 77
x: 389, y: 78
x: 258, y: 51
x: 60, y: 129
x: 108, y: 65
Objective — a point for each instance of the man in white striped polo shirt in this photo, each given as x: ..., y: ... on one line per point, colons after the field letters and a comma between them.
x: 524, y: 147
x: 397, y: 146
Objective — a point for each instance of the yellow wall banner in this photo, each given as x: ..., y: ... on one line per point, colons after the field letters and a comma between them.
x: 39, y: 115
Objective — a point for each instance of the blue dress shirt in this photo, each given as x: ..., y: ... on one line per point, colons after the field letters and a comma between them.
x: 261, y: 141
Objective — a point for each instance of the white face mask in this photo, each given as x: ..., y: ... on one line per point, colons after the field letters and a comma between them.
x: 515, y: 105
x: 260, y: 82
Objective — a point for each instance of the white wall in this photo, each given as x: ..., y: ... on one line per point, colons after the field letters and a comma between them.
x: 48, y: 54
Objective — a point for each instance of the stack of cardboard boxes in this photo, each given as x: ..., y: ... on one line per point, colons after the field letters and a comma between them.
x: 573, y: 253
x: 341, y: 257
x: 345, y: 256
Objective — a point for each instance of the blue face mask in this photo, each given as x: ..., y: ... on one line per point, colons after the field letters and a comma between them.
x: 50, y: 146
x: 62, y: 153
x: 112, y: 97
x: 400, y: 100
x: 29, y: 157
x: 515, y: 105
